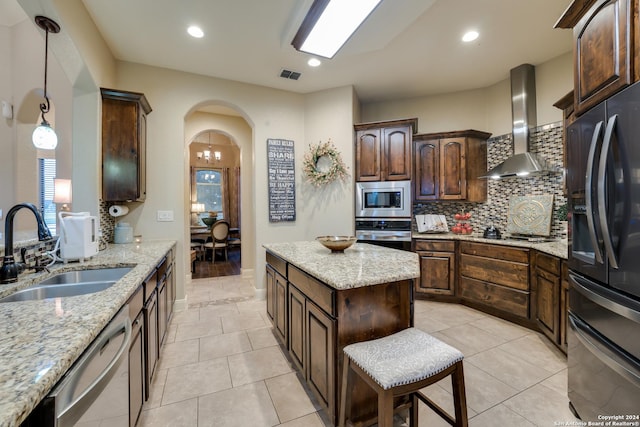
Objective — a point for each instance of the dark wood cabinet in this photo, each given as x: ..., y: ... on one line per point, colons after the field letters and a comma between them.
x: 383, y: 150
x: 171, y: 286
x: 124, y: 139
x: 564, y: 304
x: 136, y: 359
x: 277, y: 296
x: 437, y: 267
x: 152, y: 349
x: 162, y: 312
x: 320, y: 321
x: 321, y: 366
x: 368, y: 152
x: 605, y: 36
x: 281, y: 309
x: 568, y: 116
x: 495, y: 278
x: 547, y: 279
x: 447, y: 166
x: 163, y: 300
x: 427, y: 170
x: 136, y: 369
x: 297, y: 328
x: 271, y: 289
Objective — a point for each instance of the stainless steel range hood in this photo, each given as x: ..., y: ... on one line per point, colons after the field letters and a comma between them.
x: 523, y: 111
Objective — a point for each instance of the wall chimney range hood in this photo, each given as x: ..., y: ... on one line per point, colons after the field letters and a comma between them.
x: 523, y: 111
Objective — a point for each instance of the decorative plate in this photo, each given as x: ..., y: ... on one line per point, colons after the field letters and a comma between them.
x: 530, y: 215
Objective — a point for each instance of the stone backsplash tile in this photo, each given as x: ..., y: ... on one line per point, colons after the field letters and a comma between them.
x: 546, y: 141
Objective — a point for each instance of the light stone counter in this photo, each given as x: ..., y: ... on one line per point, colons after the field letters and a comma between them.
x: 360, y: 265
x: 40, y: 340
x: 557, y: 248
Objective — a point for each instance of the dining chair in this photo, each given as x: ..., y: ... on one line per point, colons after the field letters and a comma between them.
x: 219, y: 237
x: 234, y: 238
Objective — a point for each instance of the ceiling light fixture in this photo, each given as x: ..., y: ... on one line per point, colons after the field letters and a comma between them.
x: 470, y: 36
x: 195, y: 31
x: 314, y: 62
x: 329, y: 24
x: 44, y: 137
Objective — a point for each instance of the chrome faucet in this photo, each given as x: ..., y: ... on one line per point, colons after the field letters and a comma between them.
x: 10, y: 269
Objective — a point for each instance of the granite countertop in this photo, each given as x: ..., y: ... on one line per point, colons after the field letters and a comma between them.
x: 557, y: 248
x: 40, y: 340
x: 360, y: 265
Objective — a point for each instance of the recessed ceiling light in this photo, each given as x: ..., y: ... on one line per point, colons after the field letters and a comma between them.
x: 314, y: 62
x: 195, y: 31
x: 470, y: 36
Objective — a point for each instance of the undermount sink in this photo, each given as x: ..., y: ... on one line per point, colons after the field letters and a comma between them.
x: 71, y: 283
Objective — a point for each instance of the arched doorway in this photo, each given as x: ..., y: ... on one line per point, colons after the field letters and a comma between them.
x: 215, y: 189
x: 230, y: 134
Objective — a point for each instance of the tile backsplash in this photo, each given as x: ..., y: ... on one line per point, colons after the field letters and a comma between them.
x: 546, y: 141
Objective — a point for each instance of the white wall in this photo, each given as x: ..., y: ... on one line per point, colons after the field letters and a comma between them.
x: 328, y: 210
x: 487, y: 109
x: 22, y: 50
x: 270, y: 114
x: 7, y: 126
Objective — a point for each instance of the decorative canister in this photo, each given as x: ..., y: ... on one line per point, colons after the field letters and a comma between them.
x: 123, y: 233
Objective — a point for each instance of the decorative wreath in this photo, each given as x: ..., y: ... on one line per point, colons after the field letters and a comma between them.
x: 336, y: 169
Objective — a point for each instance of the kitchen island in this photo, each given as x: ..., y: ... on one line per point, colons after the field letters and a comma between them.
x: 41, y: 339
x: 319, y: 302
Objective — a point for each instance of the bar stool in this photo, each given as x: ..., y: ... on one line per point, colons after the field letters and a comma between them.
x: 402, y: 364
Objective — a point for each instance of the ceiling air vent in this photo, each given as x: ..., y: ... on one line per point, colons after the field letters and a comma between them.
x: 287, y: 74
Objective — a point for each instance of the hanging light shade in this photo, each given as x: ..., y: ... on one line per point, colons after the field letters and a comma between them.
x: 44, y: 137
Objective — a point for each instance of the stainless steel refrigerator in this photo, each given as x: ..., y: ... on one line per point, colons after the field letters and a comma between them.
x: 603, y: 183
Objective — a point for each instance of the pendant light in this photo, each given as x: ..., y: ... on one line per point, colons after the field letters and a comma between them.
x: 44, y: 137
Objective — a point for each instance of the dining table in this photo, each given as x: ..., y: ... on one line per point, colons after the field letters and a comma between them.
x: 200, y: 232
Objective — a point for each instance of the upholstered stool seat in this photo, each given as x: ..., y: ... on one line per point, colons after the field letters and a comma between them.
x: 401, y: 364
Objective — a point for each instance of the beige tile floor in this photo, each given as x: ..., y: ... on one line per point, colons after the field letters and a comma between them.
x: 221, y: 366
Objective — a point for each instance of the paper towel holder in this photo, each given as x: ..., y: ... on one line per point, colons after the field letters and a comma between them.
x: 117, y: 211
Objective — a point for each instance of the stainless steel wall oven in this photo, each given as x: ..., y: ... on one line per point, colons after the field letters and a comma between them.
x: 383, y: 213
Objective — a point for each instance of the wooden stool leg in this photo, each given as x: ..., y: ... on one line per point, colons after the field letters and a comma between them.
x: 459, y: 399
x: 385, y: 408
x: 345, y: 395
x: 413, y: 421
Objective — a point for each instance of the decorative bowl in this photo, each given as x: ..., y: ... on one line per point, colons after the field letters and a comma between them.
x: 337, y: 243
x: 209, y: 220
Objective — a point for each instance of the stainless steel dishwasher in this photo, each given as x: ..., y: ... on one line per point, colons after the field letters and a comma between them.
x: 96, y: 388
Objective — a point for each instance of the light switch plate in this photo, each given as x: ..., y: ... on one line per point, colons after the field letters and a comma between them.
x: 165, y: 216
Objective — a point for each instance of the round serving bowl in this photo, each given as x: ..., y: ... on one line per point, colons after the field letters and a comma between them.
x: 209, y: 220
x: 337, y: 243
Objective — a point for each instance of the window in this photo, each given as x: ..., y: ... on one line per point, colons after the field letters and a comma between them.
x: 208, y: 189
x: 47, y: 171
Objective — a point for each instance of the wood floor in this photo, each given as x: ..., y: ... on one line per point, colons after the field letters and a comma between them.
x: 205, y: 268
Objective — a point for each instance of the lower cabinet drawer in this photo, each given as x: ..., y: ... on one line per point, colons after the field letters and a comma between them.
x: 506, y: 273
x: 510, y: 300
x: 434, y: 245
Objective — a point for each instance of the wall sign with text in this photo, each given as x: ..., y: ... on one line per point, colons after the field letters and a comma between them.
x: 282, y: 180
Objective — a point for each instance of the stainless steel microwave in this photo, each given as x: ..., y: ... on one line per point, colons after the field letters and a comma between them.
x: 383, y: 199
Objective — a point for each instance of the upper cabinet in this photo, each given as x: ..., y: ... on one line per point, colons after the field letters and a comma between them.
x: 124, y: 139
x: 606, y: 37
x: 383, y: 150
x: 447, y: 166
